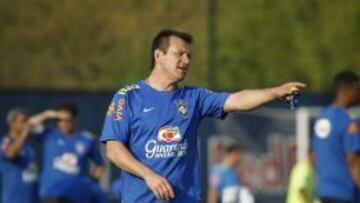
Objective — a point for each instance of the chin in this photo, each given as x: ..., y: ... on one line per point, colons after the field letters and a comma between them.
x: 181, y: 79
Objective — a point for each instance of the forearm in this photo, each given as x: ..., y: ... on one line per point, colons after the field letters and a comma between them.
x: 246, y: 100
x: 354, y: 166
x: 98, y: 172
x: 41, y: 117
x: 122, y: 158
x: 212, y: 195
x: 15, y: 148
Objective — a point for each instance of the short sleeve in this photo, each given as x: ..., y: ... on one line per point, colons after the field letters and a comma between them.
x: 352, y: 137
x: 211, y: 104
x: 116, y: 125
x: 215, y: 179
x: 95, y: 154
x: 4, y: 144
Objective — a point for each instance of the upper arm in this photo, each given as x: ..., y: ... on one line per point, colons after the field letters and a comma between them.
x: 114, y: 149
x: 116, y: 125
x: 95, y: 153
x: 212, y: 195
x: 211, y: 104
x: 352, y: 148
x: 214, y: 183
x: 352, y: 137
x: 5, y: 145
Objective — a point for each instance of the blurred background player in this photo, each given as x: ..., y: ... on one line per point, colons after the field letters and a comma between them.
x: 302, y: 183
x: 337, y: 144
x: 17, y: 161
x: 66, y: 153
x: 225, y: 184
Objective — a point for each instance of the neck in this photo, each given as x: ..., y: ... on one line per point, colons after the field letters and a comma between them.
x: 158, y: 81
x: 228, y: 162
x: 340, y: 102
x: 70, y: 133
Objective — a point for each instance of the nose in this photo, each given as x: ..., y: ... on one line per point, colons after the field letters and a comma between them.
x: 186, y: 59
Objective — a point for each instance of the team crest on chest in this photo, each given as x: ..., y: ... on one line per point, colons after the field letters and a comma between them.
x: 182, y: 108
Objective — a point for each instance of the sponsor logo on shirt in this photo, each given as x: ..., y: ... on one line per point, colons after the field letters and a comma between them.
x: 67, y: 163
x: 124, y: 90
x: 169, y: 144
x: 111, y: 109
x: 119, y: 110
x: 147, y: 110
x: 169, y: 134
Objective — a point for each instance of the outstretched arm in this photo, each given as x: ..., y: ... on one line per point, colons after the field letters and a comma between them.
x: 122, y: 158
x: 246, y: 100
x: 41, y: 117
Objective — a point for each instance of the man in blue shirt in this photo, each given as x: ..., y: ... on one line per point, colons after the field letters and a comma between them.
x: 18, y: 169
x: 151, y: 126
x: 66, y: 153
x: 225, y: 185
x: 336, y: 143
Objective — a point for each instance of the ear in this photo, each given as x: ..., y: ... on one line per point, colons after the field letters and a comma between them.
x: 157, y: 54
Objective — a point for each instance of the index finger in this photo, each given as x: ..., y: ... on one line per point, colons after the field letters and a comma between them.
x: 170, y: 190
x: 297, y: 85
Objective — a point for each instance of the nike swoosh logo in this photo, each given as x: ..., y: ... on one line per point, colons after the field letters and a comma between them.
x: 145, y: 110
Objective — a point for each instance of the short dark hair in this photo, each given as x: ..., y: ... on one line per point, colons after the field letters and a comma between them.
x: 71, y: 108
x: 161, y: 42
x: 345, y: 79
x: 230, y: 148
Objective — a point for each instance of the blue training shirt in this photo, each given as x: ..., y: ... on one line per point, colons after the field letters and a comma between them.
x: 65, y: 157
x: 226, y: 181
x: 79, y: 189
x: 19, y: 176
x: 335, y: 135
x: 160, y: 130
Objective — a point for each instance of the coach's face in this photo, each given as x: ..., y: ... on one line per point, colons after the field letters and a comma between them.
x: 176, y: 61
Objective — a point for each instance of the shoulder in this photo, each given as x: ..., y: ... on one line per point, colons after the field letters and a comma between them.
x: 124, y: 94
x: 197, y: 92
x: 128, y: 89
x: 87, y: 136
x: 194, y: 89
x: 4, y: 138
x: 218, y: 170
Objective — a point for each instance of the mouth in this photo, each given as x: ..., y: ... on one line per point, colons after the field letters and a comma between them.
x: 183, y: 69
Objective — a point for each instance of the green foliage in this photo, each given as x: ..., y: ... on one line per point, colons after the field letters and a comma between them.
x: 89, y: 44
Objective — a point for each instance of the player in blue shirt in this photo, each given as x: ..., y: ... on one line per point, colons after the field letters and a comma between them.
x: 18, y: 169
x: 225, y: 185
x: 66, y: 153
x: 151, y: 126
x: 336, y: 144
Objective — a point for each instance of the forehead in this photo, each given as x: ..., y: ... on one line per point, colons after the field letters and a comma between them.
x: 66, y: 112
x: 178, y: 44
x: 20, y: 116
